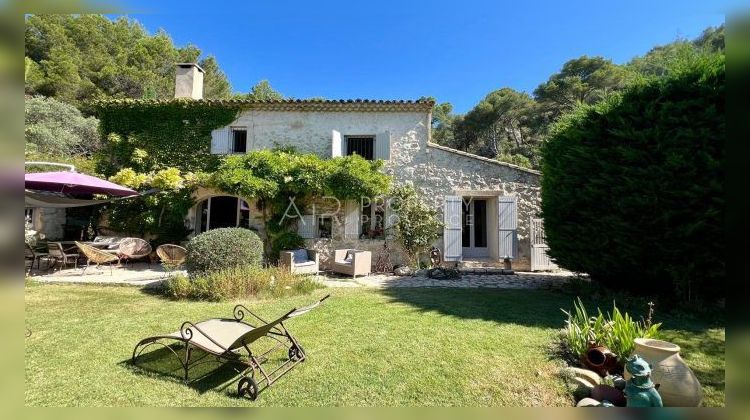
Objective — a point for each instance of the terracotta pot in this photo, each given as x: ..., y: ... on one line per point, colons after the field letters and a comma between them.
x: 675, y: 381
x: 608, y: 393
x: 601, y: 360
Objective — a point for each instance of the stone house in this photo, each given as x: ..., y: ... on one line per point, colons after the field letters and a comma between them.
x: 486, y: 205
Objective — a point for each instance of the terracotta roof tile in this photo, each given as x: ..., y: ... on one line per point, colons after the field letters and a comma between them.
x: 310, y: 105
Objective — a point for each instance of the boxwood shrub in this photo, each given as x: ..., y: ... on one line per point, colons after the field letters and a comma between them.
x: 223, y: 248
x: 633, y: 188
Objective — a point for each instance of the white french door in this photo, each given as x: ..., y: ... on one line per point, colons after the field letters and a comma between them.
x: 474, y: 222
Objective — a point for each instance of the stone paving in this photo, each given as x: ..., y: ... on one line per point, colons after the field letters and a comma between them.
x: 144, y: 275
x: 134, y: 274
x: 519, y: 280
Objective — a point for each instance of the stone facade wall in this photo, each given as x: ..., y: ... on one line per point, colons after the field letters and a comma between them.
x: 435, y: 171
x: 49, y: 222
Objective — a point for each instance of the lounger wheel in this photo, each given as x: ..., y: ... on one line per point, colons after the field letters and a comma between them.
x: 247, y: 387
x: 295, y: 352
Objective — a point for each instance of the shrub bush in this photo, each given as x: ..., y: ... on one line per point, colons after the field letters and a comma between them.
x: 633, y: 188
x: 223, y: 248
x: 240, y: 282
x: 616, y: 331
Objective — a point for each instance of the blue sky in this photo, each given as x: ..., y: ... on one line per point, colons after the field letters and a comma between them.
x: 456, y: 51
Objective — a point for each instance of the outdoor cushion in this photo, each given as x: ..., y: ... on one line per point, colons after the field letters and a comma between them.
x: 345, y: 262
x: 300, y: 255
x: 304, y: 263
x: 223, y: 331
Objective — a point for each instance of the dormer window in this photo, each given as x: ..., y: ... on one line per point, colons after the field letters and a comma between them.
x: 238, y: 140
x: 361, y: 145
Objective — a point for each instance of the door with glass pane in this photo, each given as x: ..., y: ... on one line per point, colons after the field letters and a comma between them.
x: 474, y: 227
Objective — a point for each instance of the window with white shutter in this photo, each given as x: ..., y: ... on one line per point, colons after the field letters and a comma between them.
x: 306, y: 227
x: 383, y: 146
x: 337, y: 144
x: 220, y: 140
x: 351, y: 220
x: 507, y: 211
x: 452, y: 248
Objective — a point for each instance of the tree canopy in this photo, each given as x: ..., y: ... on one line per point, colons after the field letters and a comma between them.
x: 511, y: 126
x: 75, y: 58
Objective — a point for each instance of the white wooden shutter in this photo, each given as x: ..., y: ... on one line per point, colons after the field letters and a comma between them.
x: 306, y: 226
x: 507, y: 211
x: 383, y: 146
x: 452, y: 250
x: 351, y: 220
x: 337, y: 144
x: 220, y: 140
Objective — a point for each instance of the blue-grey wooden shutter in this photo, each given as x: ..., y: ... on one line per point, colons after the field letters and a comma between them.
x: 507, y: 210
x: 337, y: 144
x: 383, y: 146
x: 306, y: 226
x: 452, y: 248
x: 351, y: 219
x: 220, y: 140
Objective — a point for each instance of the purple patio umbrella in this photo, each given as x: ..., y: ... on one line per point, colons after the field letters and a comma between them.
x: 74, y: 183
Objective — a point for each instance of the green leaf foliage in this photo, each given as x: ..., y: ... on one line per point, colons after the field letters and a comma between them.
x: 616, y: 331
x: 58, y: 129
x: 418, y: 225
x: 224, y: 248
x: 77, y: 58
x: 151, y: 135
x: 272, y: 174
x: 633, y: 188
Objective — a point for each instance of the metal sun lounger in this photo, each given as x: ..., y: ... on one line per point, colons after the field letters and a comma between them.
x: 226, y: 338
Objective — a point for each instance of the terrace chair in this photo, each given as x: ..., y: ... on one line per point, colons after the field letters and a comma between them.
x: 300, y: 261
x: 60, y: 255
x: 35, y: 257
x: 134, y: 249
x: 352, y: 262
x: 230, y: 339
x: 96, y: 256
x: 171, y: 256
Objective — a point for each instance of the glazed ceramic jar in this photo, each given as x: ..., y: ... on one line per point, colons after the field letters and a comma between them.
x: 678, y: 385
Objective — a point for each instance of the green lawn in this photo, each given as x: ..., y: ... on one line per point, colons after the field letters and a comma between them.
x: 397, y: 347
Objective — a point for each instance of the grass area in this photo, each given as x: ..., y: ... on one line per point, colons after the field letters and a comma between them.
x: 394, y: 347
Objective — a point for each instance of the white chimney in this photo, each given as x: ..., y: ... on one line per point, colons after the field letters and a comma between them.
x: 188, y: 81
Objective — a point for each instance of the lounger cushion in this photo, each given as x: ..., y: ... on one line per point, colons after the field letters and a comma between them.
x: 300, y: 255
x: 304, y: 263
x: 223, y: 331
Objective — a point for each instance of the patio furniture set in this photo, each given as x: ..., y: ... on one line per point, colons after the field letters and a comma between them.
x: 351, y: 262
x: 102, y: 250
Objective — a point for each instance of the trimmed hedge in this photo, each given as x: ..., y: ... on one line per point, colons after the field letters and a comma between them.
x: 633, y: 188
x: 223, y: 248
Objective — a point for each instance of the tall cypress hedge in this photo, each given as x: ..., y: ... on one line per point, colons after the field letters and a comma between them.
x: 633, y: 188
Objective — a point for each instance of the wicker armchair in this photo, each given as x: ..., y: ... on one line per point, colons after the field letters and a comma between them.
x: 171, y: 256
x: 96, y: 256
x: 133, y: 249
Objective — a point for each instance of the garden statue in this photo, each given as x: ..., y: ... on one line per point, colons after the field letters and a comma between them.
x: 640, y: 391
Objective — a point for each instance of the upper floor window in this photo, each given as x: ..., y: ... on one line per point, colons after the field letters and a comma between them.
x: 361, y: 145
x: 238, y: 140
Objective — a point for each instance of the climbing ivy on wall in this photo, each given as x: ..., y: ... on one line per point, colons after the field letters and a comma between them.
x: 152, y: 135
x: 157, y: 144
x: 275, y: 176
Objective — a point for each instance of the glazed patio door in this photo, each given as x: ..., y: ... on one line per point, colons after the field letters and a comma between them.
x: 474, y: 228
